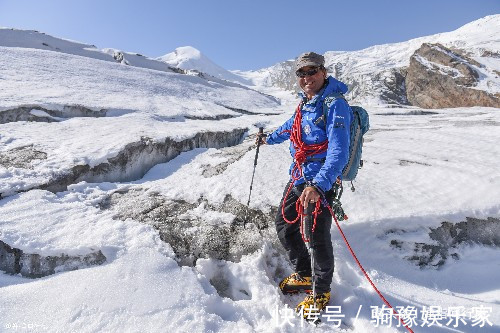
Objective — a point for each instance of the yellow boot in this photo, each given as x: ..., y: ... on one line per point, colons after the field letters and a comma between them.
x: 309, y: 309
x: 295, y: 283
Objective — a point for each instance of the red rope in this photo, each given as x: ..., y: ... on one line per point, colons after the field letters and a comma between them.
x: 302, y: 152
x: 395, y: 313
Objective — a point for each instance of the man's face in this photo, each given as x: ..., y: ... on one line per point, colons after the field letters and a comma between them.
x: 311, y: 83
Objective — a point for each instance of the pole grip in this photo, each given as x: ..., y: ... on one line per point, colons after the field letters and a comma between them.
x: 261, y: 131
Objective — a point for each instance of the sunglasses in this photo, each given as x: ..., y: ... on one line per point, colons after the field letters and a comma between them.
x: 310, y: 72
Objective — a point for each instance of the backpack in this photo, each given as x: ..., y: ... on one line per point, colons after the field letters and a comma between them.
x: 360, y: 124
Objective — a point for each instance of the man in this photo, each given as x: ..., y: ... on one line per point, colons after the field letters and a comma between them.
x: 318, y: 173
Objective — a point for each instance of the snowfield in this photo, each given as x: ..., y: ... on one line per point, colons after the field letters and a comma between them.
x: 421, y: 168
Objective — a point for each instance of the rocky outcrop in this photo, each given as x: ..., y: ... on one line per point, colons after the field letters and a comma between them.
x: 387, y: 85
x: 131, y: 163
x: 119, y: 57
x: 44, y: 114
x: 394, y: 86
x: 441, y: 78
x: 282, y: 75
x: 136, y: 158
x: 32, y: 265
x: 447, y: 238
x: 181, y: 224
x: 21, y: 157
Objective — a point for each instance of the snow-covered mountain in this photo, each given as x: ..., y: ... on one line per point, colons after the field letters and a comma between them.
x: 124, y: 193
x: 182, y: 60
x: 38, y: 40
x: 376, y: 75
x: 189, y: 58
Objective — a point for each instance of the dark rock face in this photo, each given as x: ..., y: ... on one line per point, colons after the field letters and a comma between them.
x: 137, y: 158
x: 21, y: 157
x: 441, y: 78
x: 190, y: 235
x: 24, y: 113
x: 395, y: 87
x: 448, y: 237
x: 132, y: 163
x: 32, y: 265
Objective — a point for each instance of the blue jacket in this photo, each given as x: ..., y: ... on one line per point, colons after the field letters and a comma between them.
x: 322, y: 169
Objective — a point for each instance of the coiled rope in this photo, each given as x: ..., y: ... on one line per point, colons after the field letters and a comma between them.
x: 302, y: 152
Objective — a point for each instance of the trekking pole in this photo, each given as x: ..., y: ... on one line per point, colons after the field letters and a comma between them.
x: 308, y: 225
x: 261, y: 131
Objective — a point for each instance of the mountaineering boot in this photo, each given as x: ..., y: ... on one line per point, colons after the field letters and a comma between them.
x: 307, y: 308
x: 295, y: 283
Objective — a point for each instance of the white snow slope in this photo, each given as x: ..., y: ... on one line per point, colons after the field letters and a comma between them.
x: 420, y: 169
x: 189, y: 58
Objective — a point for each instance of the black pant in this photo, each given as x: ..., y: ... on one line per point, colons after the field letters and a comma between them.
x: 291, y: 239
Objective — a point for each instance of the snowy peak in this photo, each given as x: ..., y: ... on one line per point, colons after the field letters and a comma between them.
x: 483, y: 32
x: 190, y: 58
x: 185, y: 55
x: 186, y: 58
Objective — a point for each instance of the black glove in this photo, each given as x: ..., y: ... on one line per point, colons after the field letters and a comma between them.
x: 260, y: 139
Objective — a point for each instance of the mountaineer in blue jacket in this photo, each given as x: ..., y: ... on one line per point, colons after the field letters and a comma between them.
x: 328, y: 144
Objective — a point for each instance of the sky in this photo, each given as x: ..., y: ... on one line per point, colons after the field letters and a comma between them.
x: 242, y: 34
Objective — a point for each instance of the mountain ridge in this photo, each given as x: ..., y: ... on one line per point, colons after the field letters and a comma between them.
x: 376, y: 75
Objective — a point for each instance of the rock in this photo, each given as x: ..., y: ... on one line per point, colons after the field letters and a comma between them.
x: 446, y: 239
x: 282, y: 75
x: 189, y: 233
x: 33, y: 265
x: 393, y: 90
x: 21, y: 157
x: 39, y: 113
x: 136, y: 158
x: 439, y: 77
x: 131, y: 163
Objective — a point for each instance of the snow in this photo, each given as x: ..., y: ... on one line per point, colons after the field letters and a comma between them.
x: 444, y: 70
x: 142, y: 102
x: 388, y: 196
x: 421, y: 168
x: 115, y: 86
x: 190, y: 58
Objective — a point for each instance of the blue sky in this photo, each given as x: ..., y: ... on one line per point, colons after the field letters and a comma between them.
x: 242, y: 34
